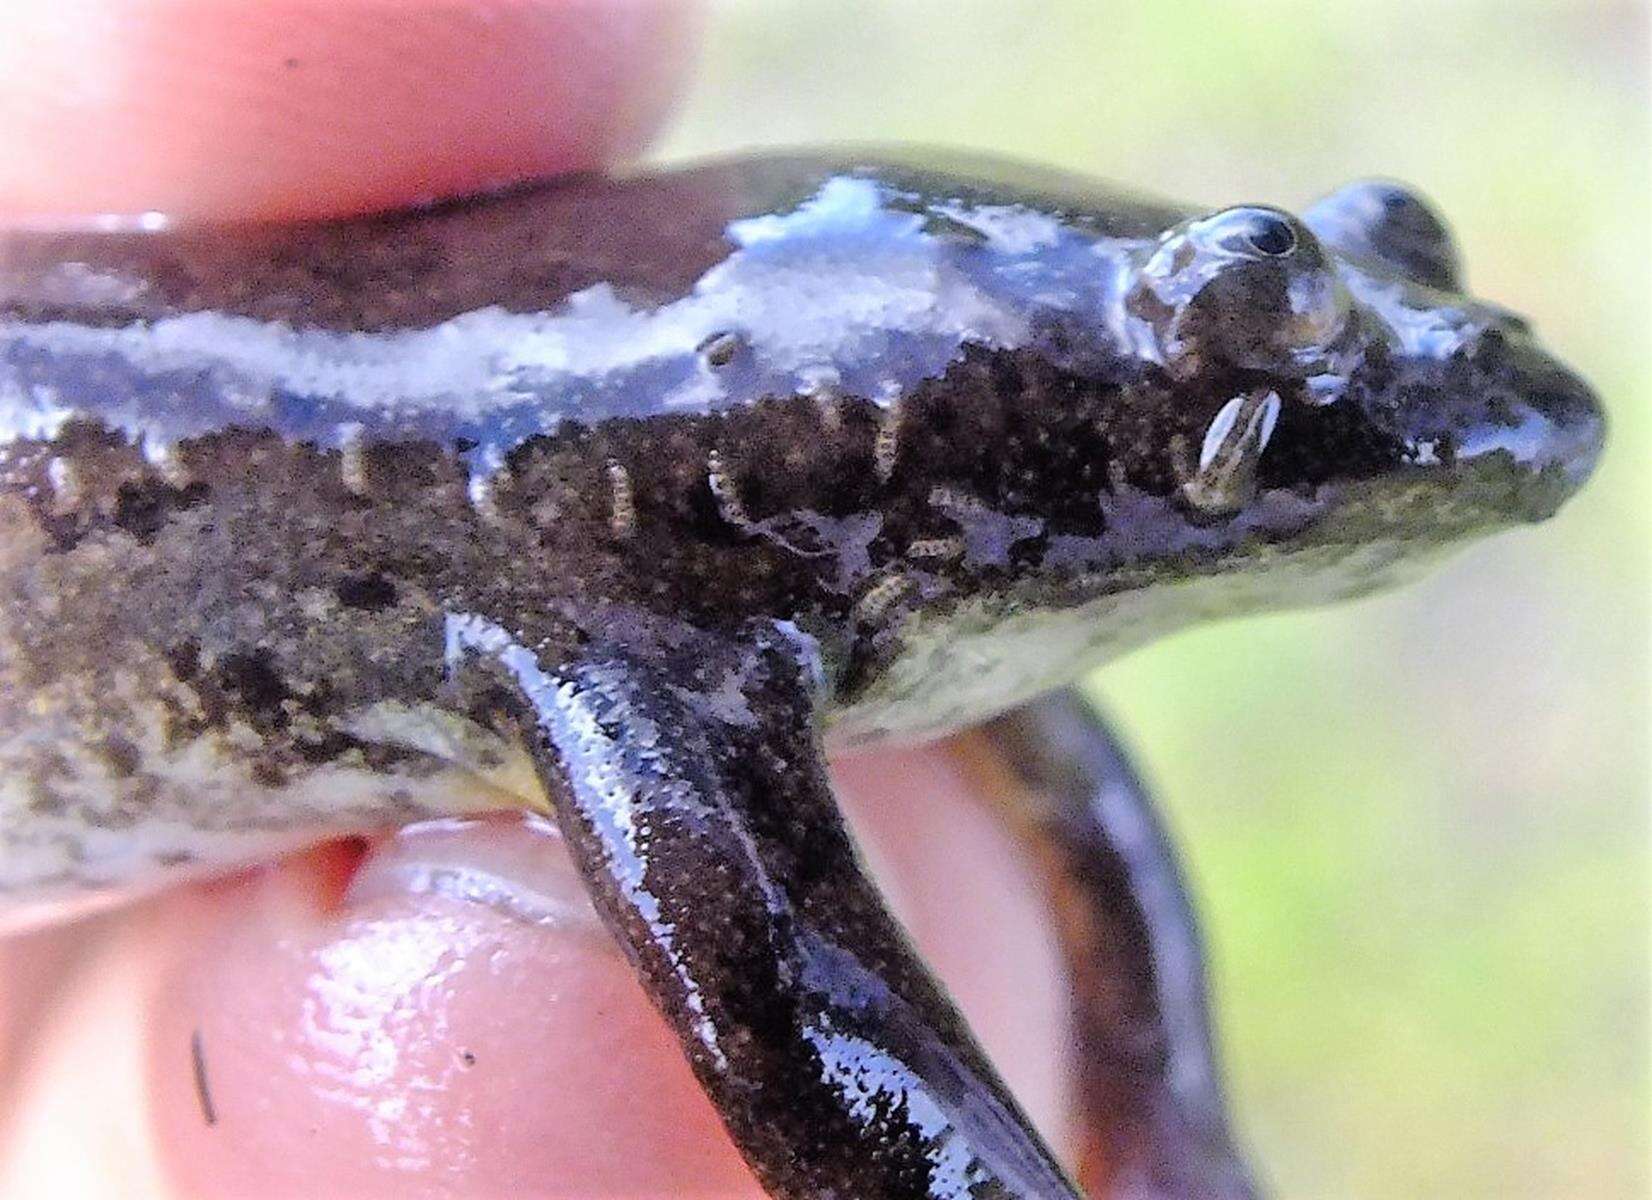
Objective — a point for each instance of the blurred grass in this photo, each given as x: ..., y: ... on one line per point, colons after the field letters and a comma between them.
x: 1418, y: 824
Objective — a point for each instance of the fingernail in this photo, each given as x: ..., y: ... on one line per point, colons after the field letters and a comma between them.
x: 517, y: 865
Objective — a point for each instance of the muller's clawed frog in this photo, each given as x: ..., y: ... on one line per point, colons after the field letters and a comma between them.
x: 622, y: 497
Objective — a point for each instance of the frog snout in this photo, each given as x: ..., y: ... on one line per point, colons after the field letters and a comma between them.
x: 1577, y: 426
x: 1545, y: 418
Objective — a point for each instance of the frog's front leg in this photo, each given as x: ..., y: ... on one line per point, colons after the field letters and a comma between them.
x: 690, y: 787
x: 1155, y: 1121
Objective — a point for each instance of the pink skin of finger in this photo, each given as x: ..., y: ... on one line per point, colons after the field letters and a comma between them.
x: 460, y: 1023
x: 303, y: 108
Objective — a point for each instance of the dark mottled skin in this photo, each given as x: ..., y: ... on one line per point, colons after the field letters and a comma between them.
x: 615, y: 496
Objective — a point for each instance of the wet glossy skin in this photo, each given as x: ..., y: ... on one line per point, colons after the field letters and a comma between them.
x: 610, y: 496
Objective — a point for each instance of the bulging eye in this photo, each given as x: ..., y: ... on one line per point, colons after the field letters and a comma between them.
x: 1384, y: 220
x: 1251, y: 232
x: 1245, y: 287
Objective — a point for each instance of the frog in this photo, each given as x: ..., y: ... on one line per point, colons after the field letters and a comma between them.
x: 624, y: 498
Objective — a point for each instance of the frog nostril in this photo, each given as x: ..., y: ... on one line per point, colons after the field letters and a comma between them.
x: 1490, y: 349
x: 1560, y: 395
x: 1545, y: 420
x: 1504, y: 320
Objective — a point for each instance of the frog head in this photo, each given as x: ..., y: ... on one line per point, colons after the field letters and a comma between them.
x: 1303, y: 409
x: 1338, y: 356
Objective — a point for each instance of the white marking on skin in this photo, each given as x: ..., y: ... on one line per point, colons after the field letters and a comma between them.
x: 886, y: 446
x: 1220, y: 426
x: 1270, y: 417
x: 879, y: 597
x: 1424, y: 452
x: 352, y: 460
x: 1241, y: 429
x: 808, y: 653
x: 164, y: 459
x: 943, y: 548
x: 725, y: 699
x: 78, y: 283
x: 622, y: 519
x: 64, y: 476
x: 727, y: 495
x: 1013, y: 228
x: 481, y: 485
x: 36, y: 413
x: 841, y: 305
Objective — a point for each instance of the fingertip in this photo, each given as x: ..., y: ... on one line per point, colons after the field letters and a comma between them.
x: 299, y: 108
x: 460, y: 1023
x: 34, y: 968
x: 75, y: 1101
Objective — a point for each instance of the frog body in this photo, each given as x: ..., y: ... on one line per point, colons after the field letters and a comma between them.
x: 618, y: 497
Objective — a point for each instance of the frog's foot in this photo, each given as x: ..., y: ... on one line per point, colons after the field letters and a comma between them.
x: 1155, y: 1122
x: 686, y: 774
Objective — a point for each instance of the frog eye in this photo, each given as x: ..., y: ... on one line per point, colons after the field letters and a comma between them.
x: 1387, y: 221
x: 1251, y: 232
x: 1245, y: 287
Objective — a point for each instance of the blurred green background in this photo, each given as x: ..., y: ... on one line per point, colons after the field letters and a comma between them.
x: 1418, y: 824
